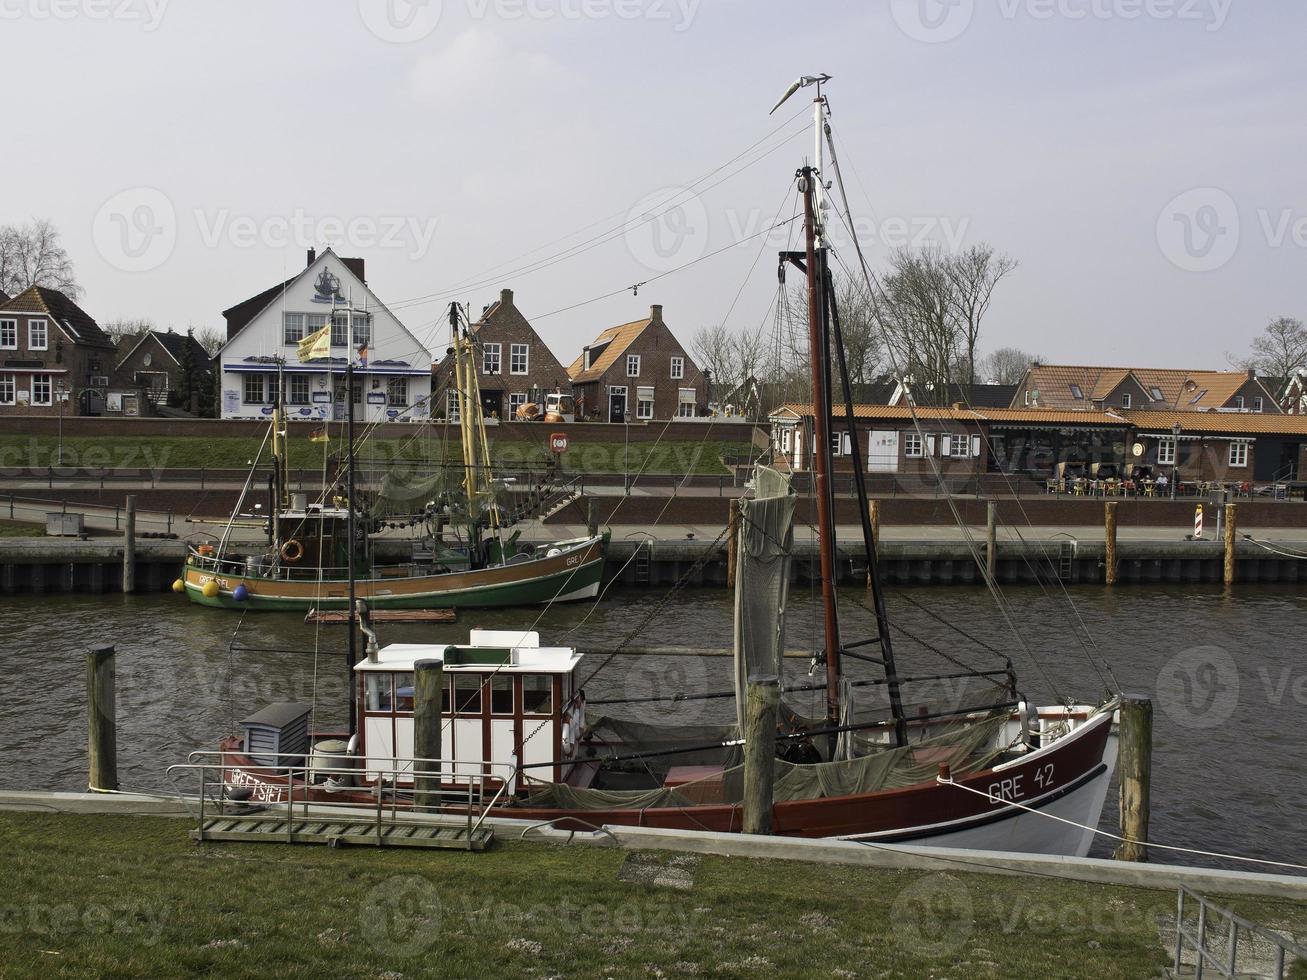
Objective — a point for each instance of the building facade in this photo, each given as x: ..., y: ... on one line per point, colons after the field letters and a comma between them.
x: 53, y: 356
x: 1088, y: 389
x: 513, y: 364
x: 166, y: 369
x: 638, y: 372
x: 392, y: 377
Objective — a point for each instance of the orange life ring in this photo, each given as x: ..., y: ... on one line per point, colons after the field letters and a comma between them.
x: 292, y: 550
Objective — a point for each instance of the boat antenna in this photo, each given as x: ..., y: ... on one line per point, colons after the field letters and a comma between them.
x: 352, y: 616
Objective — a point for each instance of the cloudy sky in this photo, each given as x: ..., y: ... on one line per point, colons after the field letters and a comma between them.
x: 1141, y: 158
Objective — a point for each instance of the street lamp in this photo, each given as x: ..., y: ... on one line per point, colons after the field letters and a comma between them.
x: 1175, y: 457
x: 60, y: 394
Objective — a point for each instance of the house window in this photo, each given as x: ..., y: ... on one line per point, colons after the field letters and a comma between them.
x: 912, y: 446
x: 1156, y: 393
x: 36, y: 335
x: 686, y: 403
x: 41, y: 389
x: 1126, y: 399
x: 1027, y: 398
x: 1238, y: 454
x: 519, y: 359
x: 299, y: 389
x: 785, y: 440
x: 340, y: 393
x: 340, y: 329
x: 397, y: 392
x: 960, y: 447
x: 1077, y: 393
x: 1238, y: 402
x: 644, y: 401
x: 1198, y: 397
x: 633, y: 365
x: 516, y: 399
x: 678, y: 368
x: 254, y: 389
x: 490, y: 359
x: 1257, y: 404
x: 292, y: 327
x: 8, y: 335
x: 1166, y: 452
x: 362, y: 329
x: 8, y: 391
x: 452, y: 413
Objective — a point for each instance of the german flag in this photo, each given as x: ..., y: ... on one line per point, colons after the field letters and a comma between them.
x: 319, y: 435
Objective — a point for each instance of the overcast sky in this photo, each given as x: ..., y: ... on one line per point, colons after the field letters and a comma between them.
x: 1143, y: 159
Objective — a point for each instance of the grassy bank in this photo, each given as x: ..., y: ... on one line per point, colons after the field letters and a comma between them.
x: 132, y: 897
x: 701, y: 457
x: 20, y: 529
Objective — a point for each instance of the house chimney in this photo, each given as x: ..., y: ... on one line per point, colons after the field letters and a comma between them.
x: 656, y: 313
x: 313, y: 257
x: 1252, y: 374
x: 505, y: 297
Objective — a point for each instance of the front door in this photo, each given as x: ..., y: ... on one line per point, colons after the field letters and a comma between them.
x: 883, y: 455
x: 617, y: 404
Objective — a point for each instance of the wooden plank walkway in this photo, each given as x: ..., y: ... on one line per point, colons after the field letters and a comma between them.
x: 339, y: 617
x: 338, y: 833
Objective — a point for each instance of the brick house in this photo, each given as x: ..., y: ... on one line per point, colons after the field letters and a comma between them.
x: 638, y: 369
x: 1078, y: 389
x: 50, y: 344
x: 156, y: 364
x: 512, y: 362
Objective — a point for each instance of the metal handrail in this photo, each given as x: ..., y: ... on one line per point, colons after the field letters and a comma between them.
x: 1197, y: 939
x: 497, y: 776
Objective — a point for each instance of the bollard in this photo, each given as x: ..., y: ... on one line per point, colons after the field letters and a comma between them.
x: 762, y: 702
x: 1109, y: 552
x: 1231, y: 515
x: 129, y: 545
x: 101, y: 730
x: 991, y: 541
x: 1134, y: 774
x: 732, y: 543
x: 428, y: 688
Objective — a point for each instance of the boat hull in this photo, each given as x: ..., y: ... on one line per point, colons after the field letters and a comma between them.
x: 574, y: 573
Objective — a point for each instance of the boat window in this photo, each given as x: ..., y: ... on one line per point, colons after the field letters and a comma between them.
x: 404, y: 692
x: 537, y: 694
x: 467, y: 693
x: 378, y: 692
x: 501, y: 695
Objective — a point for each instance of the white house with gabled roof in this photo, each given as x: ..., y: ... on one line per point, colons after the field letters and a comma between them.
x: 392, y: 375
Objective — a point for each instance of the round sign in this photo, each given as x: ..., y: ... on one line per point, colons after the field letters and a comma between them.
x: 1138, y: 449
x: 558, y: 442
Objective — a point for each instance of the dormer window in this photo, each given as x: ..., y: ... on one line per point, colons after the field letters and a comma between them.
x: 1238, y: 402
x: 1126, y: 400
x: 1257, y: 404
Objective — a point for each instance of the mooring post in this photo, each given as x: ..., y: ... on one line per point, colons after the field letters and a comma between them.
x: 428, y: 685
x: 732, y: 542
x: 762, y: 702
x: 1109, y: 554
x: 1134, y: 773
x: 129, y: 545
x: 873, y: 511
x: 591, y: 516
x: 101, y: 727
x: 1231, y: 513
x: 991, y: 540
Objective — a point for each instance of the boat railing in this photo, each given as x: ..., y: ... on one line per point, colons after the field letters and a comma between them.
x: 297, y: 786
x: 1218, y: 957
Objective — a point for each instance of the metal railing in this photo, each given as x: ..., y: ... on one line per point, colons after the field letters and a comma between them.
x: 1226, y: 962
x: 410, y: 786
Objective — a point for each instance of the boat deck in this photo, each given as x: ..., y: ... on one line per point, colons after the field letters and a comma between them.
x: 341, y: 832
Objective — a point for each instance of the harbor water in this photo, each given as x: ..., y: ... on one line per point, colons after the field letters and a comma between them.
x: 1227, y: 673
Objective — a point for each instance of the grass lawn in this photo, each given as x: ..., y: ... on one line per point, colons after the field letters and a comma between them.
x: 701, y: 457
x: 21, y: 529
x: 132, y: 896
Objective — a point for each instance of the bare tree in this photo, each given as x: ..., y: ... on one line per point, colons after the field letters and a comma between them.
x: 1279, y: 352
x: 714, y: 350
x: 920, y: 320
x: 210, y: 338
x: 34, y: 255
x: 1006, y: 366
x: 125, y: 331
x: 973, y: 275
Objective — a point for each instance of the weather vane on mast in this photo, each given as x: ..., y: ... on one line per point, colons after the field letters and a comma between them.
x: 820, y: 112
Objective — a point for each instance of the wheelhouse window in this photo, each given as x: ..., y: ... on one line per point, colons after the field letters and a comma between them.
x: 501, y: 694
x: 678, y: 368
x: 490, y: 359
x: 1166, y: 452
x: 292, y: 328
x: 299, y: 389
x: 519, y: 359
x: 253, y: 389
x: 397, y: 392
x: 537, y: 694
x: 8, y: 335
x: 1238, y: 454
x: 404, y: 691
x: 633, y: 365
x: 912, y: 446
x: 37, y: 336
x: 377, y: 692
x: 467, y: 693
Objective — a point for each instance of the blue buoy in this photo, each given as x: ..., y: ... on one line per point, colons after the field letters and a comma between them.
x: 240, y: 593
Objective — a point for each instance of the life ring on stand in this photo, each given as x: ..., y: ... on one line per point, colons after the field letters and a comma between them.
x: 292, y: 550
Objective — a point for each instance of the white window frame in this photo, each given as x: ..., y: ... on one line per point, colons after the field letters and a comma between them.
x: 492, y: 358
x: 516, y: 399
x: 9, y: 383
x: 1258, y: 404
x: 46, y: 382
x: 393, y: 389
x: 451, y: 406
x: 1238, y: 455
x: 245, y: 389
x: 678, y: 368
x: 6, y: 326
x: 514, y: 352
x: 45, y: 337
x: 1126, y: 399
x: 644, y: 408
x: 633, y: 365
x: 914, y: 447
x: 785, y: 439
x: 1239, y: 402
x: 292, y: 328
x: 1166, y: 451
x: 296, y: 381
x: 962, y: 443
x: 682, y: 404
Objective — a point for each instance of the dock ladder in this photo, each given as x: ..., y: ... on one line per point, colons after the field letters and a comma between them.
x: 642, y: 561
x: 1066, y: 560
x: 1220, y: 958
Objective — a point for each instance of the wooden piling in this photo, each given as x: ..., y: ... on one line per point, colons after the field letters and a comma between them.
x: 762, y: 703
x: 428, y: 689
x: 991, y: 541
x: 1231, y: 517
x: 101, y: 720
x: 592, y: 516
x: 129, y: 545
x: 1109, y: 553
x: 1134, y: 774
x: 873, y: 510
x: 732, y: 543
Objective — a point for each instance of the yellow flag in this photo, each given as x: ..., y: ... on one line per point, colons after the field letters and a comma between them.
x: 316, y: 345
